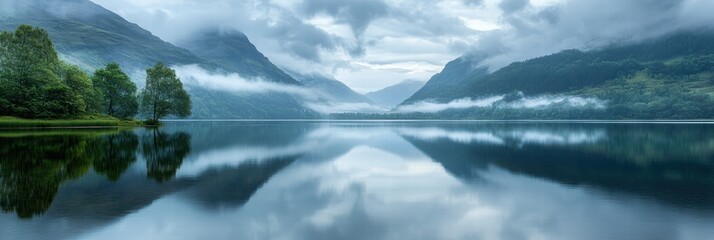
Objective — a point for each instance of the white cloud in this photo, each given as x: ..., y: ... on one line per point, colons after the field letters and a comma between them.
x: 327, y: 108
x: 557, y: 100
x: 432, y: 107
x: 536, y: 102
x: 194, y: 75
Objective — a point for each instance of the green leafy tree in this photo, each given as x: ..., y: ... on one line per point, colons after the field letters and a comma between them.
x: 117, y: 92
x: 164, y: 94
x: 87, y: 97
x: 29, y: 78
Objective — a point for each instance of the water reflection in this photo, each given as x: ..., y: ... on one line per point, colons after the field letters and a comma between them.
x: 671, y: 163
x: 164, y: 153
x: 34, y: 164
x: 355, y: 180
x: 119, y: 153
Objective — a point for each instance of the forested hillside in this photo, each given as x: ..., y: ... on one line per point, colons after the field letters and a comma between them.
x: 89, y: 36
x: 666, y: 78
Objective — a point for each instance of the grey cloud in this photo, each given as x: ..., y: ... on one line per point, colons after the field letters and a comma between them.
x: 359, y: 50
x: 510, y: 6
x: 357, y: 14
x: 472, y: 2
x: 550, y: 14
x: 531, y: 32
x: 301, y: 39
x: 421, y: 19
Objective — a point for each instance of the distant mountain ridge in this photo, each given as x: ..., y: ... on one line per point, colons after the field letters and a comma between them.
x: 232, y: 51
x: 330, y: 88
x: 450, y: 79
x: 392, y: 96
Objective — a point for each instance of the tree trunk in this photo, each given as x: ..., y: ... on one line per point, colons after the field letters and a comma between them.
x: 110, y: 111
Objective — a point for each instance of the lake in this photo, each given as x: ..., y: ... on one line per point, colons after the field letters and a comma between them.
x: 360, y: 180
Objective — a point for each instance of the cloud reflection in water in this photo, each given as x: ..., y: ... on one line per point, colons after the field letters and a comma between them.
x: 366, y: 189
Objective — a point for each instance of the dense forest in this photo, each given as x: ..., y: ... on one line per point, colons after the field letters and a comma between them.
x: 36, y: 84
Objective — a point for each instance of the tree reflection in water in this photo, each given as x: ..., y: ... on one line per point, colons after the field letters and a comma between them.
x: 33, y: 165
x: 164, y: 153
x: 119, y: 153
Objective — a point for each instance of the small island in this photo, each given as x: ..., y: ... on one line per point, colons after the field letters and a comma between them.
x: 38, y: 90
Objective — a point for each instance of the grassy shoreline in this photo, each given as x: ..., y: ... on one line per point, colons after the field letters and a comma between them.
x: 84, y: 122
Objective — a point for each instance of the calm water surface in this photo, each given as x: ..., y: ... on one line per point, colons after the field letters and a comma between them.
x: 360, y: 180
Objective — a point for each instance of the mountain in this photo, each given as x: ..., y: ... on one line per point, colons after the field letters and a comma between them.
x: 670, y: 77
x: 330, y: 89
x: 90, y: 36
x: 232, y: 51
x: 449, y: 79
x: 394, y: 95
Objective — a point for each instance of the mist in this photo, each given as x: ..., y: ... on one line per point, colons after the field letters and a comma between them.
x: 530, y: 31
x: 433, y: 107
x: 332, y: 107
x: 194, y: 75
x: 510, y: 101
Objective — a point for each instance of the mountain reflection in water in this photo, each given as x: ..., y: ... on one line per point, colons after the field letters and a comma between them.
x: 360, y: 180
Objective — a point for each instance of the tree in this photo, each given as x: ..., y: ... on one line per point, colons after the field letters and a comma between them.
x: 29, y: 78
x: 164, y: 94
x: 117, y: 91
x: 87, y: 97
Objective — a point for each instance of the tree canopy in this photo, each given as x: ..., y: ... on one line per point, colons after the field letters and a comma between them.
x: 31, y: 83
x: 117, y: 91
x: 164, y: 94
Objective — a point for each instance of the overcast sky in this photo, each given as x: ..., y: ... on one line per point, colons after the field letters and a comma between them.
x: 370, y: 44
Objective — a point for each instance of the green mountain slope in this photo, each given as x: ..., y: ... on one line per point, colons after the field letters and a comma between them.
x: 667, y: 78
x: 394, y: 95
x: 232, y: 51
x: 90, y: 36
x: 449, y: 80
x: 573, y: 69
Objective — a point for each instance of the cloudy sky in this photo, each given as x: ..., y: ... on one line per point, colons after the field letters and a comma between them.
x: 370, y: 44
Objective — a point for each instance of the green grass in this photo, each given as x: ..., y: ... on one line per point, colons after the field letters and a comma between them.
x: 39, y: 132
x: 89, y: 121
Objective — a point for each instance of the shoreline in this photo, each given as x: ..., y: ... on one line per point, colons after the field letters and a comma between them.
x: 10, y: 123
